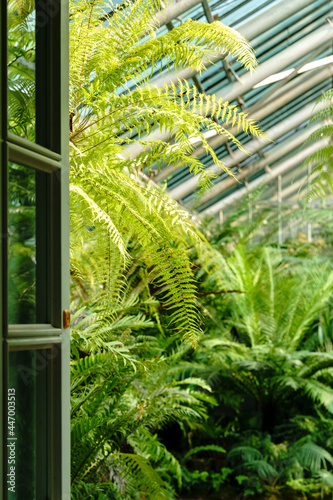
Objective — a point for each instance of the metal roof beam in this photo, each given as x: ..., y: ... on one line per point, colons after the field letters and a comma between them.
x: 208, y: 12
x: 274, y: 64
x: 289, y: 92
x: 286, y: 94
x: 174, y: 10
x: 273, y: 92
x: 251, y: 29
x: 272, y: 155
x: 266, y: 178
x: 252, y: 147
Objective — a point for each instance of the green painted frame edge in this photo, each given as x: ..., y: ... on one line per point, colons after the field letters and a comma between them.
x: 31, y: 146
x: 65, y: 256
x: 26, y: 331
x: 33, y: 159
x: 3, y: 189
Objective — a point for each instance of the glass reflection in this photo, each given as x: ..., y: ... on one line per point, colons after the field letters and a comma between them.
x: 21, y: 68
x: 28, y: 434
x: 21, y: 245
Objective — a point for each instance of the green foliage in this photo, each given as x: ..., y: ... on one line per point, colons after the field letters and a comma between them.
x: 267, y: 363
x: 157, y: 225
x: 206, y: 480
x: 163, y: 461
x: 267, y: 353
x: 197, y: 449
x: 263, y: 347
x: 104, y: 119
x: 263, y: 371
x: 121, y: 396
x: 290, y: 466
x: 112, y: 107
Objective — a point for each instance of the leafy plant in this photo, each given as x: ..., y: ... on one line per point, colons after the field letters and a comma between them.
x: 119, y: 401
x: 112, y: 107
x: 264, y: 346
x: 267, y: 353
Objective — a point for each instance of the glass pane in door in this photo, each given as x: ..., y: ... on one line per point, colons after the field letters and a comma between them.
x: 28, y: 250
x: 21, y: 70
x: 28, y: 433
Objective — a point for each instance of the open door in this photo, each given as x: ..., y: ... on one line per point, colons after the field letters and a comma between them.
x: 35, y: 346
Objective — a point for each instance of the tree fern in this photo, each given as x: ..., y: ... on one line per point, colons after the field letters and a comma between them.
x: 162, y: 244
x: 264, y: 346
x: 113, y: 107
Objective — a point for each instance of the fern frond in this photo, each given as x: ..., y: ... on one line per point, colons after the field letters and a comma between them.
x: 199, y: 449
x: 161, y: 234
x: 97, y: 215
x: 312, y: 456
x: 101, y: 115
x: 164, y: 462
x: 320, y: 178
x: 143, y: 477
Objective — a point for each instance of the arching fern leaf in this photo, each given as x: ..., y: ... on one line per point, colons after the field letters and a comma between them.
x: 320, y: 178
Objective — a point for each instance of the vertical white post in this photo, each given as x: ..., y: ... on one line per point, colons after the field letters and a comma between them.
x: 309, y: 223
x: 279, y: 209
x: 249, y: 197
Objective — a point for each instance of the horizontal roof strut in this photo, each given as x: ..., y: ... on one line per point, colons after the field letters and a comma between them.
x: 289, y: 92
x: 252, y: 147
x: 266, y: 178
x: 276, y: 88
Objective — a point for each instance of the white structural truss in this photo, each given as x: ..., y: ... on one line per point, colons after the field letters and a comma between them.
x: 293, y: 43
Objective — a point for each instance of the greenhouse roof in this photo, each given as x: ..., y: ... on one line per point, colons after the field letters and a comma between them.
x: 293, y: 43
